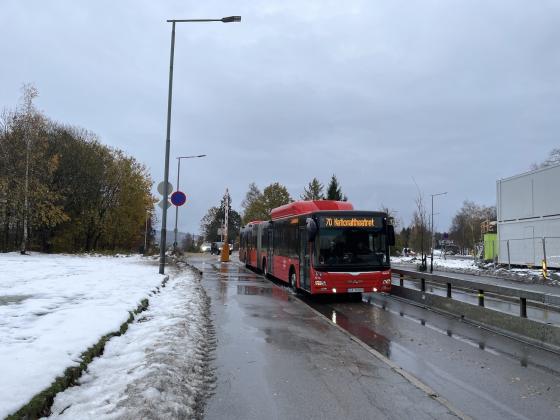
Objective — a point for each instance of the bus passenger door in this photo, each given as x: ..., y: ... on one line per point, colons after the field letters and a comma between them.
x: 304, y: 262
x: 269, y: 251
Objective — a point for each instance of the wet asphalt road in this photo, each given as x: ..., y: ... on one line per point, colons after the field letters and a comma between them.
x: 275, y: 359
x: 484, y: 375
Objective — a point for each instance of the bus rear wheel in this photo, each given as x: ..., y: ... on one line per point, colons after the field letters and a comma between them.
x: 293, y: 280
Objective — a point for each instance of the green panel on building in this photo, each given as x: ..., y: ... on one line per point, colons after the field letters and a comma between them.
x: 490, y: 246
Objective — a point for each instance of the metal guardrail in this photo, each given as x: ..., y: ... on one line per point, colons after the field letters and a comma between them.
x: 512, y: 292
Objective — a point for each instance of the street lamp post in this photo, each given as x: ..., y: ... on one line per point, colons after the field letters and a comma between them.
x: 177, y: 207
x: 432, y: 256
x: 168, y: 136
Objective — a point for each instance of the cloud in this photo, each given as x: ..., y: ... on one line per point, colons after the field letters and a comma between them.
x: 456, y: 94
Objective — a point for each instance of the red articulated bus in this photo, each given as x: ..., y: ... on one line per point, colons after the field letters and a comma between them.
x: 248, y: 243
x: 321, y: 247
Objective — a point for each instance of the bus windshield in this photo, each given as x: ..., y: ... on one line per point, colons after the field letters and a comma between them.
x: 350, y: 247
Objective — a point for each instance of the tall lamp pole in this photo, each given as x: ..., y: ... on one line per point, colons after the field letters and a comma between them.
x: 432, y: 257
x: 177, y: 207
x: 168, y: 136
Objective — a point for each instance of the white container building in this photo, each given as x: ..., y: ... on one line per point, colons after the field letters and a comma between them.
x: 528, y: 210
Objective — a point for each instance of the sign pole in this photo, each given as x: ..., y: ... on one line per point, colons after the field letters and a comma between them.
x: 225, y: 247
x: 163, y: 238
x: 176, y: 207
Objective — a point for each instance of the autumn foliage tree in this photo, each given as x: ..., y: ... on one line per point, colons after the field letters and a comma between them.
x: 80, y: 194
x: 257, y: 205
x: 253, y: 205
x: 465, y: 226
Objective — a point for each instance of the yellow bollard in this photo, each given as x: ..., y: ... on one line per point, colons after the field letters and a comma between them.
x: 544, y: 269
x: 224, y: 254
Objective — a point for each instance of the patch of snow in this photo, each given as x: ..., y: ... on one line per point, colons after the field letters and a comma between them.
x: 53, y: 307
x: 440, y: 262
x: 467, y: 265
x: 158, y: 369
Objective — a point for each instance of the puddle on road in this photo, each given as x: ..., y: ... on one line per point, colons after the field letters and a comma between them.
x: 274, y: 291
x: 360, y: 321
x: 365, y: 333
x: 226, y: 273
x: 253, y: 290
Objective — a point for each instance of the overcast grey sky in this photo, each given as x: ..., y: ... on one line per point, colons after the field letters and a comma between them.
x: 454, y: 93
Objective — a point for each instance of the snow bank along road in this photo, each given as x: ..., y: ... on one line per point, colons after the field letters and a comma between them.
x: 159, y: 369
x: 53, y: 307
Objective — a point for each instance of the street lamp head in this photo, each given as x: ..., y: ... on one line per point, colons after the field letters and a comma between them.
x: 190, y: 157
x: 229, y: 19
x: 435, y: 195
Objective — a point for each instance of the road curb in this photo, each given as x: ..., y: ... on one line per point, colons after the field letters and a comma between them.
x: 40, y: 405
x: 394, y: 367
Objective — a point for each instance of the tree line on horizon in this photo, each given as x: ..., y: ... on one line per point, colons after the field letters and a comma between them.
x: 464, y: 230
x: 258, y: 204
x: 61, y: 190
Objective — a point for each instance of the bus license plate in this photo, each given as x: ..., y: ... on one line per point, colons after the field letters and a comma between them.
x: 356, y: 289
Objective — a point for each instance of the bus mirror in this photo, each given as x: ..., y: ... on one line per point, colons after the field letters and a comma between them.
x: 311, y: 229
x: 390, y: 235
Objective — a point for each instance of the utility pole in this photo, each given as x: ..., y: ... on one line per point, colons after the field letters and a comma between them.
x: 432, y: 256
x: 225, y: 246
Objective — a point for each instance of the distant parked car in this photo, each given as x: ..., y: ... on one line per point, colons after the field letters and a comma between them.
x: 206, y: 247
x: 217, y: 248
x: 451, y: 249
x: 407, y: 252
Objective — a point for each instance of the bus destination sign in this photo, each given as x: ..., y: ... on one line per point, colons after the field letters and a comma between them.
x: 348, y: 222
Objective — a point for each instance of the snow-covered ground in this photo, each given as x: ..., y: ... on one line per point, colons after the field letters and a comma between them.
x: 469, y: 266
x: 439, y: 262
x: 53, y: 307
x: 158, y: 369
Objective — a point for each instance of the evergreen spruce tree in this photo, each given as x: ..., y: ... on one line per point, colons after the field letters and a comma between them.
x: 334, y: 192
x: 313, y: 191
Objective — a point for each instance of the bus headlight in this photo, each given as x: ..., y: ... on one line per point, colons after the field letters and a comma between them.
x: 387, y: 281
x: 334, y: 290
x: 320, y: 283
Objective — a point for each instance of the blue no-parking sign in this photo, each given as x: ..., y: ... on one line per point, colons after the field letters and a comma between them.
x: 178, y: 198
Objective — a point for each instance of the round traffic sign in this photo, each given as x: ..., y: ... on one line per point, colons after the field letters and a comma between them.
x: 178, y: 198
x: 162, y: 203
x: 161, y: 187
